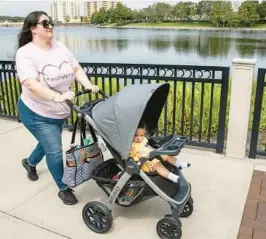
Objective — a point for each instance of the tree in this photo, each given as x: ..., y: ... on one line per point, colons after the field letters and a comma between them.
x: 67, y: 19
x: 227, y: 12
x: 178, y: 11
x: 139, y: 16
x: 12, y: 19
x: 221, y: 12
x: 94, y: 18
x: 262, y: 10
x: 189, y: 10
x: 110, y: 15
x: 248, y: 12
x: 203, y: 9
x: 150, y: 13
x: 215, y: 13
x: 100, y: 17
x: 122, y: 14
x: 163, y: 11
x: 233, y: 20
x: 184, y: 10
x: 84, y: 19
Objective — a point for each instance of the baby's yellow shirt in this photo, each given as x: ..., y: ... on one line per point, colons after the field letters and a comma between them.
x: 138, y: 147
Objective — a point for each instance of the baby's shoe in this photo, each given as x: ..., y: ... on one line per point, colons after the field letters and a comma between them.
x: 184, y: 165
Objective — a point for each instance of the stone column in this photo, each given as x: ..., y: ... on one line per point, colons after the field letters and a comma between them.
x: 241, y: 90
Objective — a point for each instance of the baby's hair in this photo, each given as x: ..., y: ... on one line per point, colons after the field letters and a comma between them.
x: 142, y: 125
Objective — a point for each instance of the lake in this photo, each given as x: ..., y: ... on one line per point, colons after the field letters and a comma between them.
x: 151, y: 46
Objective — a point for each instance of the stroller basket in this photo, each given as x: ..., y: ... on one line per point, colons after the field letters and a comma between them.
x: 104, y: 173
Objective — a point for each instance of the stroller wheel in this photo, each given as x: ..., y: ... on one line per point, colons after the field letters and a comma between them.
x: 97, y: 217
x: 187, y: 210
x: 169, y: 228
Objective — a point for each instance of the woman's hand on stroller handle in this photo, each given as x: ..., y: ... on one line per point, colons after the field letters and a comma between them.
x: 78, y: 93
x: 62, y: 97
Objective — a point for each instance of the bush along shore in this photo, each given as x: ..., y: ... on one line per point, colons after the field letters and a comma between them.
x: 180, y: 27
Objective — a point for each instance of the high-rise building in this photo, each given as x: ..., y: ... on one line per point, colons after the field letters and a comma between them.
x: 91, y: 6
x: 64, y: 10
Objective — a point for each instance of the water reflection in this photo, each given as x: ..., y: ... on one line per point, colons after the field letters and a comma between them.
x: 106, y: 45
x: 185, y: 44
x: 249, y: 47
x: 144, y: 46
x: 204, y: 45
x: 74, y: 43
x: 213, y: 46
x: 159, y: 45
x: 122, y: 44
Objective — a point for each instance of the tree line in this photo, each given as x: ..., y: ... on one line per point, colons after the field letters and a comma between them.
x: 11, y: 19
x: 219, y: 13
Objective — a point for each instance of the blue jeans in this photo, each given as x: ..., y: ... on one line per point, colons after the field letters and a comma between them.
x: 48, y: 133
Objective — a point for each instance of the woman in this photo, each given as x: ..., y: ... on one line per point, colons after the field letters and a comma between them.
x: 46, y: 70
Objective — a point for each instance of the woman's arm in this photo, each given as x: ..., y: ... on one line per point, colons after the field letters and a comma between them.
x: 38, y: 89
x: 82, y: 78
x: 80, y: 75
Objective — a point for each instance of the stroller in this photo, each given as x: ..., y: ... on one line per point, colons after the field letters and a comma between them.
x: 116, y: 119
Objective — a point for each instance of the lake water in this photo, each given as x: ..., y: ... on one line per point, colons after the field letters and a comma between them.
x: 150, y: 46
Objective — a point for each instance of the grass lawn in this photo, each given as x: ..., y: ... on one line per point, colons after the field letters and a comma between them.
x: 260, y: 26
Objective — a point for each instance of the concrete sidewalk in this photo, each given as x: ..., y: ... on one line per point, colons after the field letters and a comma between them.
x: 33, y: 210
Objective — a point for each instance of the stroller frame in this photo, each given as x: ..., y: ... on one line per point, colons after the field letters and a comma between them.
x: 133, y: 168
x: 177, y: 204
x: 96, y: 215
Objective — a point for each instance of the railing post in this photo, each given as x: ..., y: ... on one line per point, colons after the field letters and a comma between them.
x: 222, y: 113
x: 241, y: 90
x: 257, y: 114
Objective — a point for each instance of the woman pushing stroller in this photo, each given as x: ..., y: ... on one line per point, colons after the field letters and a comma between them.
x: 140, y: 149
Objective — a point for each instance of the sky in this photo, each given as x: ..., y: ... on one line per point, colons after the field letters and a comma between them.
x: 23, y: 7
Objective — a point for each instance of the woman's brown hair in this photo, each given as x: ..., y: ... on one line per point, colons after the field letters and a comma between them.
x: 25, y: 36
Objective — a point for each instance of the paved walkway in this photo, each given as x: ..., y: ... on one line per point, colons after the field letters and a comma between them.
x: 30, y: 210
x: 253, y: 224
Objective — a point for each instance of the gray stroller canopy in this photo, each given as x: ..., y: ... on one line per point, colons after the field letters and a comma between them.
x: 118, y: 117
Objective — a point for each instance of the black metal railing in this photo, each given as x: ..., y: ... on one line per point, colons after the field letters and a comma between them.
x: 257, y: 141
x: 10, y: 89
x: 196, y: 105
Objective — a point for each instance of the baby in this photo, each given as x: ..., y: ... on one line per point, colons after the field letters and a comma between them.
x: 140, y: 148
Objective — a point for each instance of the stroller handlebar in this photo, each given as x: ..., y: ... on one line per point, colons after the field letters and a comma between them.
x: 71, y: 105
x: 78, y: 93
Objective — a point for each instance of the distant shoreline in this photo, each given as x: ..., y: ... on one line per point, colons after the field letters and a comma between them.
x: 195, y: 28
x: 186, y: 28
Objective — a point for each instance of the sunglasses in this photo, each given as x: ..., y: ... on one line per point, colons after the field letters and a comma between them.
x: 46, y: 23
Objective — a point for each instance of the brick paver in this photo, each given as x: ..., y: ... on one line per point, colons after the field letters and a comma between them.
x: 253, y: 224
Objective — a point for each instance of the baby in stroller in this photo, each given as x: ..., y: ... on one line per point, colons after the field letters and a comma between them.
x: 141, y: 149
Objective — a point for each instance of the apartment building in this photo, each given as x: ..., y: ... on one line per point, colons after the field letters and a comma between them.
x: 64, y: 10
x: 91, y: 6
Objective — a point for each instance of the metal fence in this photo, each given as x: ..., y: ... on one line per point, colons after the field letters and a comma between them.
x: 10, y: 89
x: 196, y: 105
x: 258, y: 133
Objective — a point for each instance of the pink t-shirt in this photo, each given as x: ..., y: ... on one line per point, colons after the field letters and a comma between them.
x: 53, y: 68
